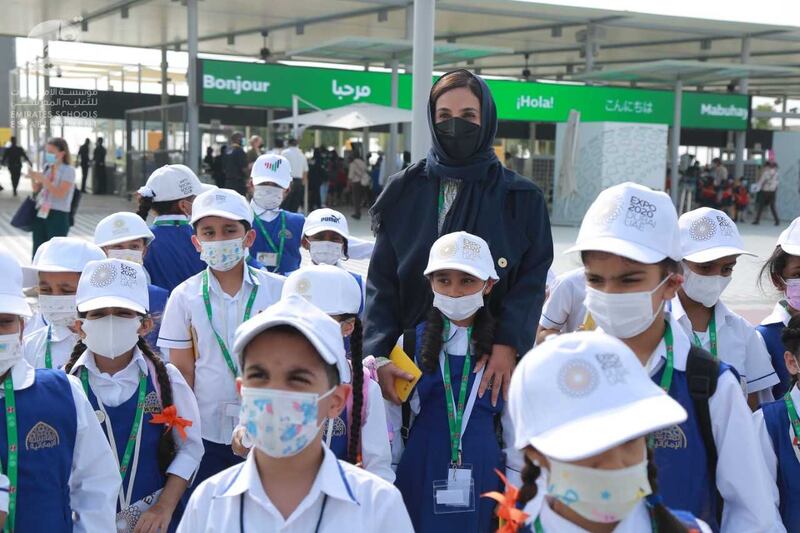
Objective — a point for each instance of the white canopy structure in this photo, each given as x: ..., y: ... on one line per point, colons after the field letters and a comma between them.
x: 351, y: 117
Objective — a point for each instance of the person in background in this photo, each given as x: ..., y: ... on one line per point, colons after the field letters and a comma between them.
x: 726, y: 198
x: 375, y: 175
x: 99, y: 180
x: 358, y: 178
x: 299, y: 166
x: 719, y: 172
x: 54, y: 187
x: 337, y: 180
x: 208, y: 161
x: 768, y: 187
x: 84, y: 160
x: 253, y: 151
x: 741, y: 199
x: 317, y: 177
x: 12, y: 158
x: 278, y: 148
x: 236, y: 166
x: 218, y: 167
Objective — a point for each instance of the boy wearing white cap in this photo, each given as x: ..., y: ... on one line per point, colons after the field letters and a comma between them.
x: 51, y: 446
x: 203, y: 312
x: 126, y: 236
x: 56, y: 270
x: 630, y: 246
x: 278, y: 232
x: 294, y: 375
x: 583, y: 407
x: 710, y: 245
x: 148, y: 412
x: 169, y: 193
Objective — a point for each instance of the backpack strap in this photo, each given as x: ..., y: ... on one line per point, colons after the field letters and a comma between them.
x: 410, y: 347
x: 702, y: 374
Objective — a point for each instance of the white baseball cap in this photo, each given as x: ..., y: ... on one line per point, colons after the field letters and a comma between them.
x: 122, y: 227
x: 464, y: 252
x: 171, y: 182
x: 61, y: 254
x: 272, y: 168
x: 334, y: 290
x: 632, y: 221
x: 789, y: 239
x: 12, y: 300
x: 113, y: 283
x: 225, y: 203
x: 326, y: 219
x: 323, y: 332
x: 708, y: 234
x: 580, y: 394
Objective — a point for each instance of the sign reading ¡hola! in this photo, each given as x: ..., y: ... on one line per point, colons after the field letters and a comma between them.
x: 260, y: 85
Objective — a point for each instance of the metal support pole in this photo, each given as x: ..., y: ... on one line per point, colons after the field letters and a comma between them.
x: 589, y: 47
x: 295, y: 114
x: 390, y: 158
x: 409, y: 37
x: 783, y: 109
x: 45, y: 61
x: 139, y: 77
x: 122, y: 80
x: 741, y: 136
x: 422, y: 57
x: 164, y: 98
x: 675, y: 143
x: 269, y: 141
x: 193, y: 109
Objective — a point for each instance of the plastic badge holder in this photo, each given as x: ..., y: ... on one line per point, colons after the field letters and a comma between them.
x: 456, y: 494
x: 404, y: 363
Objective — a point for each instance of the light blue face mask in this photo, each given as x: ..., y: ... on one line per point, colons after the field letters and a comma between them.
x: 49, y: 157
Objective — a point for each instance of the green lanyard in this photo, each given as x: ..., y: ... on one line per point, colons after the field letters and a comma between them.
x: 281, y: 234
x: 171, y: 223
x: 712, y: 333
x: 13, y: 451
x: 441, y: 200
x: 666, y: 377
x: 454, y: 418
x: 137, y: 420
x: 787, y: 398
x: 48, y: 353
x: 247, y: 310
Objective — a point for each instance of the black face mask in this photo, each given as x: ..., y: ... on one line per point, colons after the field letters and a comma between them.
x: 458, y: 137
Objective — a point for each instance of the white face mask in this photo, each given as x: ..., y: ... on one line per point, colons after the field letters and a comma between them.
x: 604, y: 496
x: 222, y: 255
x: 623, y: 315
x: 704, y: 289
x: 325, y: 252
x: 268, y: 197
x: 58, y: 311
x: 111, y: 336
x: 135, y: 256
x: 10, y: 351
x: 458, y: 308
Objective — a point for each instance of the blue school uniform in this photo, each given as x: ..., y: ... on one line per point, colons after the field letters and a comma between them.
x: 293, y: 233
x: 426, y: 457
x: 46, y: 427
x: 340, y: 438
x: 158, y: 300
x: 776, y: 419
x: 171, y: 258
x: 772, y: 337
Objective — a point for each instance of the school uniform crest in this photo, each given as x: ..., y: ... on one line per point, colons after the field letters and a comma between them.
x: 673, y: 437
x: 41, y: 435
x: 151, y: 403
x: 339, y: 427
x: 285, y: 234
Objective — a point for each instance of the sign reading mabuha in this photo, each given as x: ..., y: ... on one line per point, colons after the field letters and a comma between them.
x: 237, y: 85
x: 717, y: 110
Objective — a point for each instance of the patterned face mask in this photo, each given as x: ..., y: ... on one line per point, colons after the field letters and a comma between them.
x: 222, y: 255
x: 280, y: 423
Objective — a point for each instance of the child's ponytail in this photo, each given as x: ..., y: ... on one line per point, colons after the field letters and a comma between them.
x: 665, y: 521
x: 530, y: 473
x: 356, y: 358
x: 166, y: 445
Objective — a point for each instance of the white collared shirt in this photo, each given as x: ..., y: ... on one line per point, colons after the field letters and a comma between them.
x: 185, y: 325
x: 117, y: 389
x: 357, y: 501
x: 94, y: 481
x: 778, y: 315
x: 298, y: 163
x: 62, y: 342
x: 738, y: 344
x: 564, y: 309
x: 742, y: 478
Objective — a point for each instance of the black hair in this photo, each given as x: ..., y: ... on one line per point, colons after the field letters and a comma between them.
x: 790, y: 336
x: 169, y: 207
x: 665, y: 521
x: 773, y: 268
x: 356, y: 358
x: 246, y: 224
x: 668, y: 265
x: 482, y: 336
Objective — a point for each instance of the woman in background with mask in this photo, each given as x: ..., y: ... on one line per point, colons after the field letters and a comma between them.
x: 582, y: 407
x: 145, y: 407
x: 278, y: 232
x: 460, y: 186
x: 54, y: 188
x: 630, y: 247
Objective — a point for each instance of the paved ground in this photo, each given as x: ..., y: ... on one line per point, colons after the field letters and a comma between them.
x: 743, y: 294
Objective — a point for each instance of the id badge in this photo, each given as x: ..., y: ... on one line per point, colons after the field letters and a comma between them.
x: 456, y: 494
x: 268, y: 259
x: 44, y: 210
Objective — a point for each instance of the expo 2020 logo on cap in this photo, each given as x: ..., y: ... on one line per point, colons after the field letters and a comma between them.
x: 577, y: 378
x: 607, y: 212
x: 702, y: 229
x: 103, y: 276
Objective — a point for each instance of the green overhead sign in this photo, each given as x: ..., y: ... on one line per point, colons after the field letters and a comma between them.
x: 260, y: 85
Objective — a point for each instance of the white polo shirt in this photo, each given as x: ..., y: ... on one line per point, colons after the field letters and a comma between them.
x: 117, y: 389
x: 185, y: 325
x: 564, y: 309
x: 297, y: 161
x: 742, y: 478
x: 738, y: 344
x: 62, y: 342
x: 355, y: 500
x: 778, y: 314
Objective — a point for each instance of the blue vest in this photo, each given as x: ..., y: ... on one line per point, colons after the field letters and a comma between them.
x: 158, y: 300
x: 776, y: 419
x: 680, y: 450
x: 148, y: 475
x: 290, y: 261
x: 171, y: 258
x: 47, y: 425
x: 772, y: 337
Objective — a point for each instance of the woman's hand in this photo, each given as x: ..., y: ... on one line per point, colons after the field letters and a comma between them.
x: 386, y: 376
x: 155, y: 520
x: 498, y: 371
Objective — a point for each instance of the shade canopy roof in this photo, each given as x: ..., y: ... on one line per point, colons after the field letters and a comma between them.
x: 351, y: 117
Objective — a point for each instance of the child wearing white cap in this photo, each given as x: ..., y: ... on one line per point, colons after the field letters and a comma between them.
x: 294, y: 376
x: 711, y: 245
x: 52, y: 449
x: 782, y: 269
x: 56, y: 270
x: 145, y: 407
x: 126, y: 236
x: 630, y: 247
x: 278, y: 232
x: 203, y: 312
x: 563, y: 310
x: 169, y: 193
x: 583, y: 407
